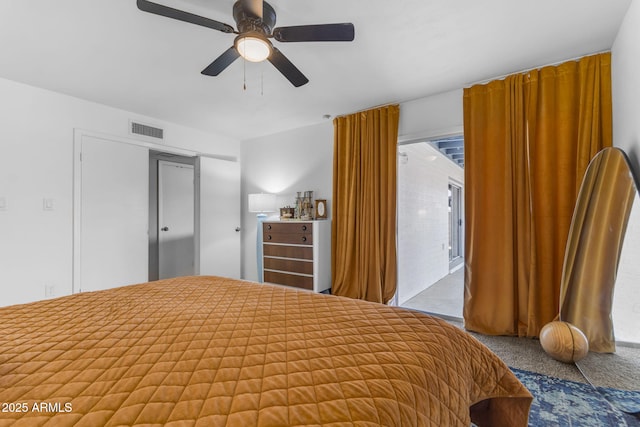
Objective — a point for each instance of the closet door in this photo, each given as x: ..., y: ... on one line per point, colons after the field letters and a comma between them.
x: 112, y: 247
x: 218, y: 239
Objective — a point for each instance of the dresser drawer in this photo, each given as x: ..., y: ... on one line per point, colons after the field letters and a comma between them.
x: 289, y: 265
x: 295, y: 233
x: 288, y: 238
x: 298, y: 252
x: 288, y: 227
x: 302, y: 282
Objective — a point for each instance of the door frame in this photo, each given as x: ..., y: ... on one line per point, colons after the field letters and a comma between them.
x: 457, y: 202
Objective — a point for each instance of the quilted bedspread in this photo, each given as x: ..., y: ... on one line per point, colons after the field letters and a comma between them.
x: 208, y: 351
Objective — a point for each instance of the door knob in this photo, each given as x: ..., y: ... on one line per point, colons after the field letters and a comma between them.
x: 165, y: 229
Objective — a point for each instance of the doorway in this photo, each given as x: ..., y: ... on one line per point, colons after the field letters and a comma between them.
x: 172, y: 216
x: 212, y: 199
x: 430, y: 228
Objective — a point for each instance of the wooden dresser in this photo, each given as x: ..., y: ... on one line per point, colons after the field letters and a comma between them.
x: 297, y: 253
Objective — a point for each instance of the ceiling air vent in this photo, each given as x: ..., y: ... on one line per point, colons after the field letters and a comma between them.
x: 146, y: 130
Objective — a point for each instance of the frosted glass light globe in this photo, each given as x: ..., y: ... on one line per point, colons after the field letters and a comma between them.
x: 253, y: 49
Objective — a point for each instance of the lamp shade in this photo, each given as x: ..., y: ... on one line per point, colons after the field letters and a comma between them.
x: 262, y: 202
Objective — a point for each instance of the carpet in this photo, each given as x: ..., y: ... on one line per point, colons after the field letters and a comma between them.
x: 626, y: 401
x: 560, y: 402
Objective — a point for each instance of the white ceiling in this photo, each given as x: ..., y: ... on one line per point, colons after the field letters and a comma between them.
x: 109, y: 52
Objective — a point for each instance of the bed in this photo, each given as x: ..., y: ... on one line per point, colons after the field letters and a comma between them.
x: 210, y: 351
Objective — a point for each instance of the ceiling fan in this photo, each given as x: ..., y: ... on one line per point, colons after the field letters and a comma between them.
x: 255, y: 20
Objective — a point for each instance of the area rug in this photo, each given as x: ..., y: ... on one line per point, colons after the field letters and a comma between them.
x: 626, y: 401
x: 560, y: 402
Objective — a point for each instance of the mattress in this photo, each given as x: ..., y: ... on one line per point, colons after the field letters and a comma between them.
x: 210, y: 351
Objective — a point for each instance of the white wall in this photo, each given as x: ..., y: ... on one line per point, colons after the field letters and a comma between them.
x: 36, y: 162
x: 282, y: 164
x: 625, y: 80
x: 436, y: 115
x: 423, y: 217
x: 625, y: 67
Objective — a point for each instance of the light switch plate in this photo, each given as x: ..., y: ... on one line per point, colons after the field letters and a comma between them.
x: 47, y: 204
x: 3, y: 203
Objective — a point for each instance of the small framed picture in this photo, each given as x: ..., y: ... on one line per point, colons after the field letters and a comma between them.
x: 321, y: 209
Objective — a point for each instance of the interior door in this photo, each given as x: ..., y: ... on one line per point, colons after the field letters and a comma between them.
x: 218, y: 239
x: 175, y: 220
x: 114, y: 193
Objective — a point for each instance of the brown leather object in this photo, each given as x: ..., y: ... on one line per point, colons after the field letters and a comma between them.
x: 213, y: 351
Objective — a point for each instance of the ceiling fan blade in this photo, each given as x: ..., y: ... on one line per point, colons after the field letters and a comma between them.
x: 222, y: 62
x: 180, y: 15
x: 254, y: 7
x: 344, y: 32
x: 289, y: 70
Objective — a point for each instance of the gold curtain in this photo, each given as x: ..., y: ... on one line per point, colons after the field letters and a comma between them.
x: 363, y: 256
x: 528, y: 141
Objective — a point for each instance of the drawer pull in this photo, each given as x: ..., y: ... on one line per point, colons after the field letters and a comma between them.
x: 268, y: 226
x: 304, y: 228
x: 304, y: 238
x: 269, y: 237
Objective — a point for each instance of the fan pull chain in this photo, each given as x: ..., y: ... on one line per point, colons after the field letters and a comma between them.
x: 244, y: 74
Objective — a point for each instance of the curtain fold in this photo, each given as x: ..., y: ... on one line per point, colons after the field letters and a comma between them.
x: 528, y: 141
x: 496, y: 208
x: 363, y: 256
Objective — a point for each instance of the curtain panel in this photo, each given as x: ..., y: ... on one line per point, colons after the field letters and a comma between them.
x: 363, y: 256
x: 528, y: 141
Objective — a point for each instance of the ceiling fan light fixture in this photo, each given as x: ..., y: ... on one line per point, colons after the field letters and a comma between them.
x: 255, y: 22
x: 253, y: 48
